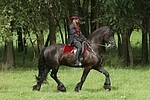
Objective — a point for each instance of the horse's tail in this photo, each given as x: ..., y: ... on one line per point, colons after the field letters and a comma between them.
x: 41, y: 67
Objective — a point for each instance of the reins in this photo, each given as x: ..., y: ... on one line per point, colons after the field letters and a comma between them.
x: 89, y: 46
x: 102, y: 45
x: 99, y: 57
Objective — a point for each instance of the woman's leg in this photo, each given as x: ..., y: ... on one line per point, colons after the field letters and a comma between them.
x: 78, y: 53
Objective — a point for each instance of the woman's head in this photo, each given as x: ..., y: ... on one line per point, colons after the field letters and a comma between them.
x: 75, y: 18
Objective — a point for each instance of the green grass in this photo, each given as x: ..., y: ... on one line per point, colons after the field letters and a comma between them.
x: 127, y: 84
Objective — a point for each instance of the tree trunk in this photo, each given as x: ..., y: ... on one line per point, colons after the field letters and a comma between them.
x: 85, y: 26
x: 9, y: 60
x: 93, y: 15
x: 47, y: 40
x: 130, y: 48
x: 144, y: 59
x: 149, y: 37
x: 125, y: 52
x: 83, y: 12
x: 20, y: 41
x: 61, y: 34
x: 119, y: 44
x: 52, y: 28
x: 66, y: 29
x: 40, y: 41
x: 24, y: 41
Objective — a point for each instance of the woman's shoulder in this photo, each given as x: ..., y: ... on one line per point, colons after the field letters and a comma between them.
x: 71, y: 25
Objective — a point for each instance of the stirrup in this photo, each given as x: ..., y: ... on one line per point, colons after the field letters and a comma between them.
x: 81, y: 59
x: 78, y: 63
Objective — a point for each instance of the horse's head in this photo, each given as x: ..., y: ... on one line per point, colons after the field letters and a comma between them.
x: 103, y: 35
x: 109, y: 39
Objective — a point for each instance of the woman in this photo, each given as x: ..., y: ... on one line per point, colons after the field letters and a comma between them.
x: 75, y: 37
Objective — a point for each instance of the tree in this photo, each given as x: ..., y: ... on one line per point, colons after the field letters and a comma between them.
x: 20, y: 39
x: 6, y: 31
x: 48, y: 17
x: 123, y: 17
x: 93, y: 15
x: 145, y: 19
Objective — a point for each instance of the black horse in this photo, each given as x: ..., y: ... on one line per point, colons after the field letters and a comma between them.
x: 51, y: 58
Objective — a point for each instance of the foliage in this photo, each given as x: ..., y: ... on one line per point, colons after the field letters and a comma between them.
x: 30, y: 15
x: 33, y: 16
x: 119, y: 13
x: 25, y: 14
x: 5, y: 27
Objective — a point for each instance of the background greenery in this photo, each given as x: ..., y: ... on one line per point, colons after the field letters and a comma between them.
x: 110, y: 56
x: 29, y: 21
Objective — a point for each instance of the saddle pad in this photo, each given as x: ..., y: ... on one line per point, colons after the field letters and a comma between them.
x: 68, y: 49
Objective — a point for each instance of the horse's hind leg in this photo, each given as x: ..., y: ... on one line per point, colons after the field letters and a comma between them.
x: 107, y: 84
x: 41, y: 78
x: 60, y: 86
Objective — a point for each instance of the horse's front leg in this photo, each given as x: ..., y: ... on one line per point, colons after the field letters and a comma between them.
x: 60, y: 86
x: 107, y: 83
x: 84, y: 75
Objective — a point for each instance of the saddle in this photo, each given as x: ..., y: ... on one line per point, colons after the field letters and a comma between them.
x: 72, y: 49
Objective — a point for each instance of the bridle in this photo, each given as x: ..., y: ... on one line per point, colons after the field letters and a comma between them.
x: 109, y: 43
x: 101, y: 45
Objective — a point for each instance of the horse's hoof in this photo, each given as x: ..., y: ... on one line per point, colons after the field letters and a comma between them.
x: 61, y: 88
x: 107, y: 87
x: 35, y: 88
x: 77, y: 89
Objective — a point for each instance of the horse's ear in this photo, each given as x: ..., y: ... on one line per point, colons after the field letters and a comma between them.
x: 112, y: 29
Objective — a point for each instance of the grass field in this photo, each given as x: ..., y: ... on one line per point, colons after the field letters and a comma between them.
x: 127, y: 84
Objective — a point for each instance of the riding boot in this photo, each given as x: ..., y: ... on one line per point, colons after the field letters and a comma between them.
x: 78, y: 63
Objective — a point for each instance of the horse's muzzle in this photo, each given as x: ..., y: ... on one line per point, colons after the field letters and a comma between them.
x: 111, y: 46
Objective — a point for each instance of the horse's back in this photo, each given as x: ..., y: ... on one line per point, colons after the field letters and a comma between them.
x: 53, y: 53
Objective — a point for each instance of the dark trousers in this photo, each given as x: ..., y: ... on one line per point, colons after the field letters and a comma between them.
x: 78, y: 45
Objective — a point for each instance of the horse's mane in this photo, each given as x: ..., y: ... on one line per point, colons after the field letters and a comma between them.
x: 97, y: 31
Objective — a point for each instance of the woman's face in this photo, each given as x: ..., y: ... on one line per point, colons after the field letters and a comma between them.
x: 76, y: 20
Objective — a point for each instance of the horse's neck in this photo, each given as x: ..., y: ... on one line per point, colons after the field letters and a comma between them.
x: 96, y: 40
x: 96, y: 46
